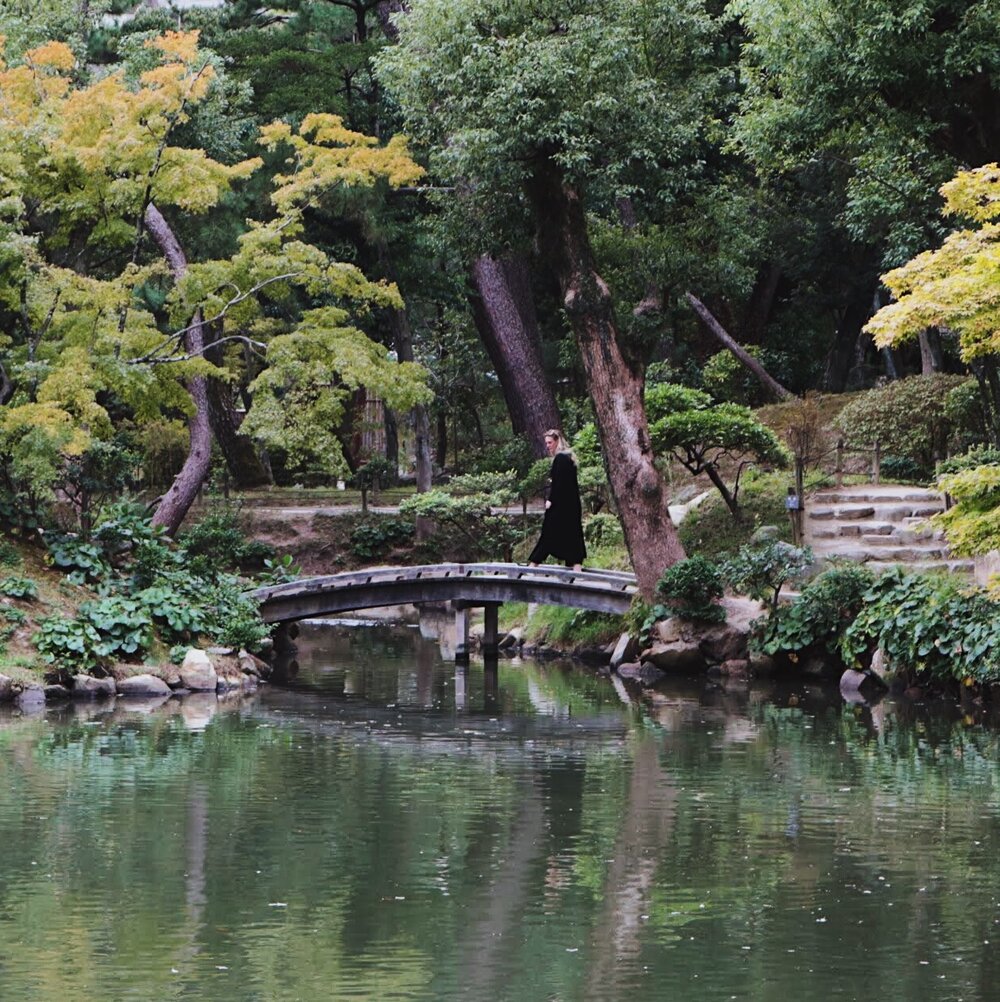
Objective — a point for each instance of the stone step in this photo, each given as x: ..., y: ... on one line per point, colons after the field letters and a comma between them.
x: 885, y: 542
x: 872, y: 512
x: 884, y: 554
x: 870, y: 495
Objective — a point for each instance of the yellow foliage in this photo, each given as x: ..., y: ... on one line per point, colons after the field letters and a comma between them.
x: 58, y: 55
x: 51, y: 420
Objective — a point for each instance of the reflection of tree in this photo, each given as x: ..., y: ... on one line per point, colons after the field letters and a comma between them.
x: 647, y: 822
x: 503, y: 902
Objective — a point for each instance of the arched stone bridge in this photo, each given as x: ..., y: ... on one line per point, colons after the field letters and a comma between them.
x: 464, y: 585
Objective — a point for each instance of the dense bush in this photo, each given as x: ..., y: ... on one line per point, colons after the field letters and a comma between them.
x: 826, y: 607
x: 692, y: 588
x: 603, y: 530
x: 728, y: 379
x: 972, y: 524
x: 909, y: 418
x: 373, y: 540
x: 218, y: 542
x: 982, y: 455
x: 902, y: 469
x: 927, y: 624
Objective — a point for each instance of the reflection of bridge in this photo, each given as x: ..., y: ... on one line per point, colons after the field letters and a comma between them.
x: 466, y: 586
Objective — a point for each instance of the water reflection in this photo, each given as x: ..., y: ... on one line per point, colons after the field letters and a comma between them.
x: 391, y: 828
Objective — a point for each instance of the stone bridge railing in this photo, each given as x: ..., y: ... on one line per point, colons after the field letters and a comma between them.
x: 464, y: 585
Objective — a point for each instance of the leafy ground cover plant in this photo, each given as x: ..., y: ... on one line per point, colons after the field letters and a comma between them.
x: 927, y: 624
x: 761, y: 570
x: 818, y: 618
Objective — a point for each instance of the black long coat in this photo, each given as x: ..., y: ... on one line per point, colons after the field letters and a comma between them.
x: 562, y: 526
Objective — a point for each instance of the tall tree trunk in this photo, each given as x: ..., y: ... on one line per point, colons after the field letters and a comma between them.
x: 177, y: 501
x: 505, y: 318
x: 758, y: 309
x: 615, y: 389
x: 504, y: 313
x: 766, y: 379
x: 243, y: 460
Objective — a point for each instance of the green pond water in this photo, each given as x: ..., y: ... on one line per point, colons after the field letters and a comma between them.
x: 387, y: 829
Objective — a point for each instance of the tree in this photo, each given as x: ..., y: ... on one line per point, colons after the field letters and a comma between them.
x: 709, y: 439
x: 98, y: 327
x: 548, y: 111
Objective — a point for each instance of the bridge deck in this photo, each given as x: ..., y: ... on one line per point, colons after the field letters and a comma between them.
x: 469, y: 584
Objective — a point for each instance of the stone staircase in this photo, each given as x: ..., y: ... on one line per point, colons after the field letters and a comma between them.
x: 879, y: 525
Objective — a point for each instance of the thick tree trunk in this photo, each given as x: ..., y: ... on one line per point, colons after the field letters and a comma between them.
x: 758, y: 309
x: 766, y: 379
x: 616, y: 390
x: 245, y: 465
x: 505, y: 318
x: 177, y: 501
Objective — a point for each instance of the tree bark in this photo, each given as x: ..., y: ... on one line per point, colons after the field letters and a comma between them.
x: 385, y: 9
x: 615, y: 389
x: 766, y: 379
x: 239, y: 451
x: 504, y: 313
x: 176, y: 503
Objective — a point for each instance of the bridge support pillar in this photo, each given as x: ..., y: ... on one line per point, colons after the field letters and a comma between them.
x: 491, y: 633
x: 461, y: 633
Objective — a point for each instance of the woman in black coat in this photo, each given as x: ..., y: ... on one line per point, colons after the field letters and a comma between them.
x: 562, y: 524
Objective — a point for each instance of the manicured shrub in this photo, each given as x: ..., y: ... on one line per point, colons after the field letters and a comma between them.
x: 909, y: 418
x: 692, y: 588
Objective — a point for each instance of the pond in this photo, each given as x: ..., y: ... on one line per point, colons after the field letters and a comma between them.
x: 386, y: 829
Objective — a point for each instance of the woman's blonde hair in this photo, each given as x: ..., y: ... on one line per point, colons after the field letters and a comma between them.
x: 561, y: 444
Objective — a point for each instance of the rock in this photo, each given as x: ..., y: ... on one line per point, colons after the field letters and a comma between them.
x: 631, y: 669
x: 762, y: 665
x: 250, y: 664
x: 171, y: 676
x: 671, y: 631
x: 31, y: 697
x: 56, y: 693
x: 249, y: 683
x: 723, y: 643
x: 765, y: 534
x: 681, y: 657
x: 880, y: 664
x: 735, y: 668
x: 512, y: 639
x: 143, y: 685
x: 88, y: 687
x: 6, y: 689
x: 228, y: 681
x: 220, y: 650
x: 625, y: 650
x: 197, y: 673
x: 859, y: 686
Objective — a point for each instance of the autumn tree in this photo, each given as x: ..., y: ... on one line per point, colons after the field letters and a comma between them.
x: 95, y: 324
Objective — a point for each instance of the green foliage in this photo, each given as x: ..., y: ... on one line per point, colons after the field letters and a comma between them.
x: 176, y: 611
x: 466, y: 511
x: 10, y: 555
x: 981, y: 455
x: 761, y: 570
x: 692, y: 588
x: 971, y: 524
x: 68, y: 643
x: 727, y: 379
x: 18, y: 587
x: 123, y: 624
x: 372, y: 540
x: 603, y: 530
x: 702, y: 438
x: 217, y: 542
x: 591, y: 478
x: 279, y: 569
x: 901, y: 469
x: 532, y: 484
x: 514, y: 454
x: 928, y: 624
x: 235, y: 620
x: 711, y: 530
x: 85, y: 562
x: 818, y: 617
x: 909, y: 418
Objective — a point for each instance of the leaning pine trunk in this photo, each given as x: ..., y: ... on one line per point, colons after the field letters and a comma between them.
x: 616, y: 390
x: 505, y: 318
x: 179, y: 498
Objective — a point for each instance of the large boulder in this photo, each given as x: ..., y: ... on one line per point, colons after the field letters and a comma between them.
x: 680, y: 657
x: 723, y: 643
x: 143, y: 685
x: 197, y: 672
x: 88, y: 687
